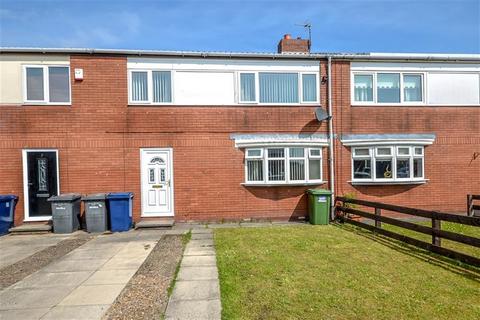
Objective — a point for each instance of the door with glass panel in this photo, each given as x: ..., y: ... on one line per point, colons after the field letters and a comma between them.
x: 157, y: 182
x: 41, y: 182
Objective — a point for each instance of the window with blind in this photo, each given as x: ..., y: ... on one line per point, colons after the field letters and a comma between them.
x: 278, y: 87
x: 387, y: 88
x: 150, y: 87
x: 387, y: 164
x: 283, y: 165
x: 47, y: 84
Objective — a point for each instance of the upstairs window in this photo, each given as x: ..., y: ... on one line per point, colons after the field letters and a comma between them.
x: 385, y: 164
x: 150, y: 87
x: 47, y: 84
x: 387, y: 88
x: 281, y: 165
x: 278, y: 87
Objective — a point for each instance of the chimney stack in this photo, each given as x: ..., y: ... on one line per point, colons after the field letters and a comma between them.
x: 289, y: 45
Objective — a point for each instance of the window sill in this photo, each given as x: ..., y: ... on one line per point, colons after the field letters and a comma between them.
x: 293, y: 184
x: 41, y: 104
x: 385, y: 183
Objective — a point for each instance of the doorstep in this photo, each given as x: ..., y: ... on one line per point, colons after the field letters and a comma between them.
x: 30, y: 228
x: 157, y: 223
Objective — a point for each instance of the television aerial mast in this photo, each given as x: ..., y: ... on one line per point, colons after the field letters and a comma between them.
x: 308, y: 27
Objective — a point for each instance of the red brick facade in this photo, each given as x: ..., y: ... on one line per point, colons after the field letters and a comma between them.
x: 99, y: 139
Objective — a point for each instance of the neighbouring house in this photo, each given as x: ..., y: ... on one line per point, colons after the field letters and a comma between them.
x: 228, y: 136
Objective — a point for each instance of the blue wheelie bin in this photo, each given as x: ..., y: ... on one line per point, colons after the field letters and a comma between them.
x: 7, y: 210
x: 120, y: 208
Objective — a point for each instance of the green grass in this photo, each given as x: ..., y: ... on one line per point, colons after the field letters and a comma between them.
x: 338, y: 272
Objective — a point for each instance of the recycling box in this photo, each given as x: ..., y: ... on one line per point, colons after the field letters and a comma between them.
x: 96, y: 212
x: 7, y: 212
x: 65, y: 212
x: 319, y: 205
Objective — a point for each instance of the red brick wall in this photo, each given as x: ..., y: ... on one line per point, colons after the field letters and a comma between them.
x: 449, y: 167
x: 99, y: 138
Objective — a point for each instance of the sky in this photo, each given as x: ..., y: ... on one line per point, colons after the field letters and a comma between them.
x: 432, y: 26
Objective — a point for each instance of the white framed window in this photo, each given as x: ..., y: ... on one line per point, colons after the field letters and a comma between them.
x: 388, y: 164
x: 283, y: 165
x: 387, y: 88
x: 278, y: 87
x: 150, y: 87
x: 46, y: 84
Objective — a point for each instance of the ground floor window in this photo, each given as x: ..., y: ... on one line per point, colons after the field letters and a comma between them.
x: 283, y: 165
x: 388, y: 163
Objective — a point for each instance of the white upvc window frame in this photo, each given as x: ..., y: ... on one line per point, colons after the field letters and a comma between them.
x: 374, y: 75
x: 257, y: 88
x: 394, y: 156
x: 150, y: 101
x: 46, y: 84
x: 286, y: 160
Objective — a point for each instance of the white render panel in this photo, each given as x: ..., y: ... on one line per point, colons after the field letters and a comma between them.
x: 11, y: 72
x: 415, y: 66
x: 453, y: 88
x: 223, y: 64
x: 209, y: 88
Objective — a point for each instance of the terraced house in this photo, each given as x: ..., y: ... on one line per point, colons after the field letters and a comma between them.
x: 231, y: 136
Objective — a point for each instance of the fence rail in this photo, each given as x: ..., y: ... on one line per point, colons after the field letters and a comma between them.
x: 435, y: 230
x: 472, y: 208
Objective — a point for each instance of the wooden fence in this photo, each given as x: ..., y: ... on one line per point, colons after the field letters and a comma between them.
x: 435, y: 230
x: 473, y: 209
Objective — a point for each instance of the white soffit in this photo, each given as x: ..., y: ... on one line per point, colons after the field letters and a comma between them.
x: 272, y: 139
x: 352, y: 140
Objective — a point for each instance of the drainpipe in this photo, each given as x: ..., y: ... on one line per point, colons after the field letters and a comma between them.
x: 331, y: 139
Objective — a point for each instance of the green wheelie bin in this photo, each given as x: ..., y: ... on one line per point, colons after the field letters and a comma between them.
x: 319, y: 206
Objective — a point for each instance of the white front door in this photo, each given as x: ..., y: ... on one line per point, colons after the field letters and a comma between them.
x: 157, y: 182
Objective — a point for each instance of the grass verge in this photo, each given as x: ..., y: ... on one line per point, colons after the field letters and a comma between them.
x: 337, y: 272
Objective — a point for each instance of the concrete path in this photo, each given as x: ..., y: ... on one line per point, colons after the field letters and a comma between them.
x: 196, y: 294
x: 18, y: 247
x: 84, y: 283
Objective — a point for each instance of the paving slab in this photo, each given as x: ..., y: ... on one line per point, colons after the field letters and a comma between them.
x: 23, y: 314
x: 201, y: 236
x: 196, y: 290
x: 19, y: 247
x: 92, y: 295
x: 197, y: 273
x: 197, y: 261
x: 201, y: 243
x: 110, y: 277
x: 55, y: 279
x: 76, y: 312
x: 194, y: 310
x: 66, y: 265
x: 199, y: 251
x: 27, y: 298
x: 83, y: 254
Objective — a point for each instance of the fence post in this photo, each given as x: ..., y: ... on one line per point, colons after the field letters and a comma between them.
x: 469, y: 205
x: 378, y: 213
x: 436, y: 225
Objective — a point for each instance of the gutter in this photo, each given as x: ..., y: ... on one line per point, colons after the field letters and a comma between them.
x: 331, y: 139
x: 474, y: 58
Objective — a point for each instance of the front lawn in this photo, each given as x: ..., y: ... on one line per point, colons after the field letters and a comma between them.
x: 337, y: 272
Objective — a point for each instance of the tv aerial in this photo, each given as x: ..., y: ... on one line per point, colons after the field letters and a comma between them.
x: 308, y: 27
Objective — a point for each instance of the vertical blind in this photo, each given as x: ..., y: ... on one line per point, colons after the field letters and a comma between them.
x: 247, y: 87
x: 139, y: 86
x: 412, y: 85
x: 35, y: 84
x: 59, y: 86
x: 255, y: 170
x: 388, y: 87
x: 309, y: 87
x: 162, y: 86
x: 278, y: 87
x: 363, y: 85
